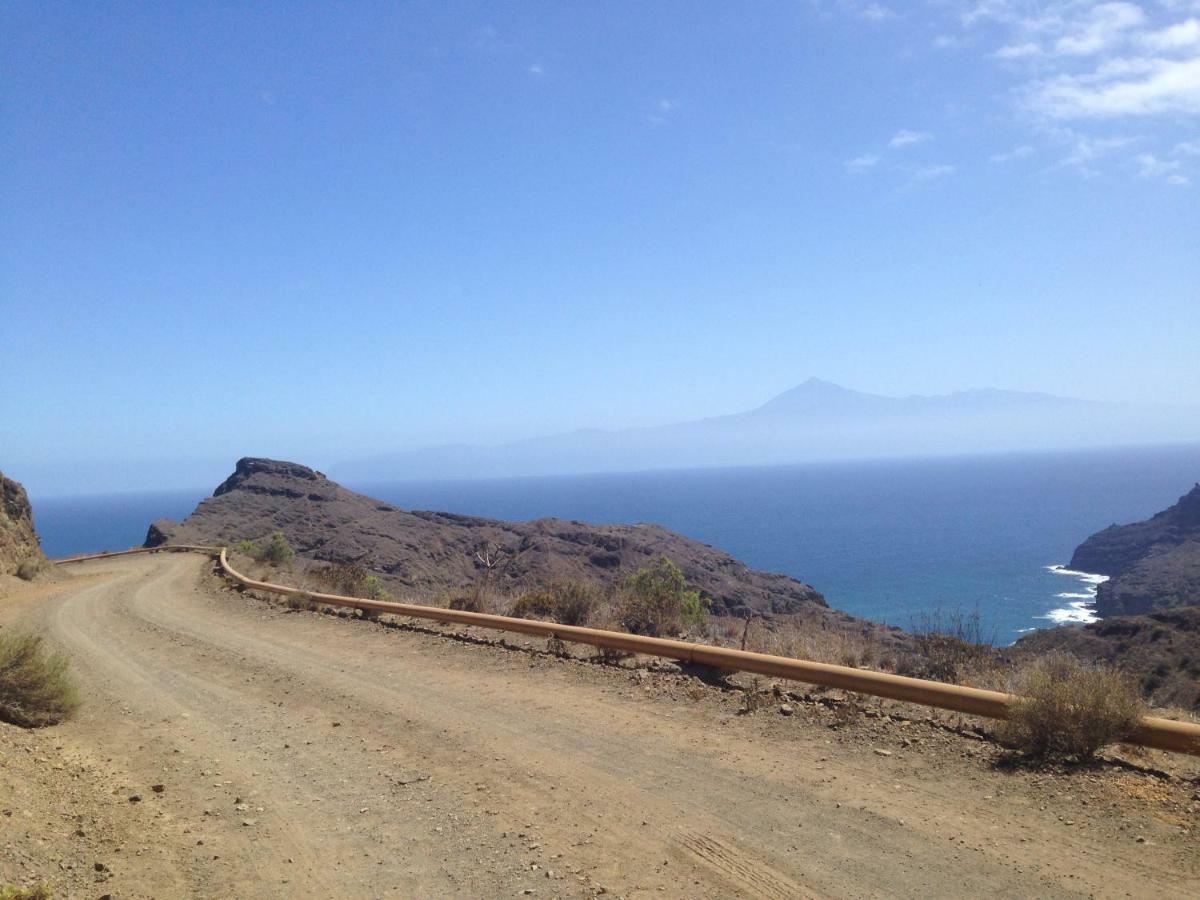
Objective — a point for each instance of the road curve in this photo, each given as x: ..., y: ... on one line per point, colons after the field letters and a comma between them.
x: 303, y: 755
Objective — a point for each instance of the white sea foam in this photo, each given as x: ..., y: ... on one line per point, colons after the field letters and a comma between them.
x: 1080, y: 609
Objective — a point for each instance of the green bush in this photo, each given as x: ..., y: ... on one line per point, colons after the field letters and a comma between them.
x: 655, y: 601
x: 35, y: 688
x: 1069, y: 708
x: 247, y: 548
x: 373, y: 589
x: 277, y: 552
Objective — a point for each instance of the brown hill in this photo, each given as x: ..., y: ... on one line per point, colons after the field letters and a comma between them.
x: 1153, y: 564
x: 423, y: 552
x: 18, y: 541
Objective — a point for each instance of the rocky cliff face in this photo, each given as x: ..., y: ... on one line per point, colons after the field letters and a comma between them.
x: 18, y: 541
x: 1152, y: 564
x: 431, y: 551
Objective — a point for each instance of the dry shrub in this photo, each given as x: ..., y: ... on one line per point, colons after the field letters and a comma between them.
x: 534, y: 605
x: 35, y: 689
x: 815, y: 641
x: 300, y: 602
x: 1070, y: 708
x: 476, y: 600
x: 565, y: 602
x: 28, y: 570
x: 14, y: 892
x: 951, y: 646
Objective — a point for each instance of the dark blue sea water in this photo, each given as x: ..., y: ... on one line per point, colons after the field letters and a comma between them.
x: 885, y: 540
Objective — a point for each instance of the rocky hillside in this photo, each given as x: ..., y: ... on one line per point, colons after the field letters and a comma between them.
x: 1153, y: 564
x: 425, y: 552
x: 1161, y: 650
x: 18, y: 541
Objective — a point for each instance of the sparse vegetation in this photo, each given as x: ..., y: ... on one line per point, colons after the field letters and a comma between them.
x: 28, y: 569
x: 655, y: 601
x: 1070, y: 708
x: 301, y: 602
x: 565, y: 602
x: 276, y: 551
x: 799, y: 638
x: 352, y: 580
x: 35, y: 687
x: 951, y: 646
x: 14, y: 892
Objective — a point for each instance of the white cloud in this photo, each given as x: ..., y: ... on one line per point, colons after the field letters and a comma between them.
x: 930, y: 173
x: 1018, y: 51
x: 664, y: 109
x: 1169, y: 170
x: 1020, y: 152
x: 876, y: 12
x: 536, y: 69
x: 1180, y: 36
x: 1150, y: 166
x: 1187, y: 148
x: 1121, y: 87
x: 862, y: 163
x: 1105, y: 26
x: 904, y: 137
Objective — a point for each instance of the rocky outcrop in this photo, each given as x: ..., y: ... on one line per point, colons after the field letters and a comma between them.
x: 1153, y: 564
x: 423, y: 552
x: 18, y: 540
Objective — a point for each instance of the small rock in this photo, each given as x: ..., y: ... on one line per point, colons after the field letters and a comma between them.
x: 135, y: 798
x: 158, y: 788
x: 249, y: 823
x: 879, y: 752
x: 785, y: 709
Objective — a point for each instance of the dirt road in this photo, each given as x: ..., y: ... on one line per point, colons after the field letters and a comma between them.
x: 303, y: 755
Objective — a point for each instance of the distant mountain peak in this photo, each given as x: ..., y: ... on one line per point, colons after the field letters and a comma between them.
x: 813, y: 392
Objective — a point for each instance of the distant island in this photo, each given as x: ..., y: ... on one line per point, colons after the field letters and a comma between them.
x: 815, y: 421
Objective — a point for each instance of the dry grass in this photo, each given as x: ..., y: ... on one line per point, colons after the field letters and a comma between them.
x: 565, y: 602
x: 1070, y: 708
x: 35, y: 688
x: 37, y: 892
x: 799, y: 639
x: 300, y: 602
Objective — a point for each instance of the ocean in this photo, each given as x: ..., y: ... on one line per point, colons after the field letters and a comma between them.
x: 893, y: 541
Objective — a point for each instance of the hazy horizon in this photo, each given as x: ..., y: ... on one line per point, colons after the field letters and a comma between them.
x: 612, y: 451
x: 333, y: 232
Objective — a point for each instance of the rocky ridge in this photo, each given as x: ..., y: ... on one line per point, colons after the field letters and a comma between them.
x: 18, y: 540
x: 1154, y: 564
x: 422, y: 553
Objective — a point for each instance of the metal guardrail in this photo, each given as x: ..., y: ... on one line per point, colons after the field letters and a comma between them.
x: 1159, y: 733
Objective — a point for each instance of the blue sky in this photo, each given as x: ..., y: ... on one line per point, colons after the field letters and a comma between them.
x: 319, y: 230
